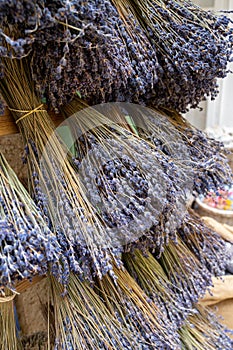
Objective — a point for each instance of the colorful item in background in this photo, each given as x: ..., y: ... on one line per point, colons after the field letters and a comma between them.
x: 223, y: 199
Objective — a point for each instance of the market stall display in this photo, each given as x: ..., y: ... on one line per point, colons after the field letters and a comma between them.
x: 107, y: 221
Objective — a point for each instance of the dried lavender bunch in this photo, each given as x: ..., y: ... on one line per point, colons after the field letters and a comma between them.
x: 193, y: 48
x: 57, y: 189
x: 123, y: 55
x: 189, y: 263
x: 188, y: 147
x: 74, y: 214
x: 80, y: 47
x: 82, y: 321
x: 150, y: 276
x: 209, y: 155
x: 100, y: 59
x: 146, y: 46
x: 133, y: 185
x: 154, y: 78
x: 205, y: 244
x: 27, y: 246
x: 138, y: 313
x: 189, y: 278
x: 204, y: 332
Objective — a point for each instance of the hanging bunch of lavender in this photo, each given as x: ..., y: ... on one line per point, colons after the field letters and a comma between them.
x: 162, y: 53
x: 27, y: 253
x: 54, y: 184
x: 171, y: 53
x: 193, y: 48
x: 204, y: 332
x: 79, y: 230
x: 185, y: 146
x: 208, y: 247
x: 138, y: 312
x: 197, y: 327
x: 27, y: 246
x: 82, y: 321
x: 81, y: 47
x: 87, y: 250
x: 93, y: 53
x: 198, y: 254
x: 189, y: 278
x: 199, y: 273
x: 134, y: 186
x: 150, y: 276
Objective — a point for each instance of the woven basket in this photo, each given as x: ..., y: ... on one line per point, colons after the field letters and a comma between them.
x: 222, y: 216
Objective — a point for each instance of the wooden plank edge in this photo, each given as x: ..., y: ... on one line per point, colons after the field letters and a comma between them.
x: 26, y: 284
x: 9, y: 127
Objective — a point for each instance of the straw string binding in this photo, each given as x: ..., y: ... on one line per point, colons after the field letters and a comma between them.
x: 7, y: 299
x: 28, y: 113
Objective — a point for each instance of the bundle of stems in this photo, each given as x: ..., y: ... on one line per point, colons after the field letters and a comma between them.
x: 8, y: 337
x: 187, y: 270
x: 189, y: 278
x: 151, y: 277
x: 97, y: 129
x: 203, y: 331
x: 117, y: 158
x: 55, y: 185
x: 61, y: 196
x: 99, y: 59
x: 177, y: 152
x: 82, y: 321
x: 135, y: 310
x: 181, y: 275
x: 163, y: 53
x: 189, y: 263
x: 27, y: 246
x: 206, y: 244
x: 193, y: 48
x: 184, y: 145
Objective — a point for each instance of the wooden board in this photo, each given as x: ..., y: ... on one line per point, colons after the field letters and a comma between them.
x: 26, y: 284
x: 9, y: 127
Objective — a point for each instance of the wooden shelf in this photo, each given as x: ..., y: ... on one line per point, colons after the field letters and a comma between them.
x: 9, y: 127
x: 26, y: 284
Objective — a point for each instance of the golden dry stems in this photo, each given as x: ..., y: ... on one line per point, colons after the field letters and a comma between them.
x: 83, y: 319
x: 8, y: 338
x: 199, y: 333
x: 128, y: 289
x: 151, y: 276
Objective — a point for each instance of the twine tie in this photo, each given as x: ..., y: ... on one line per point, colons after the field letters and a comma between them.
x: 28, y: 113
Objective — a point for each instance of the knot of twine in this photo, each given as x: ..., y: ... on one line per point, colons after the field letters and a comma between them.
x: 6, y: 299
x: 28, y: 113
